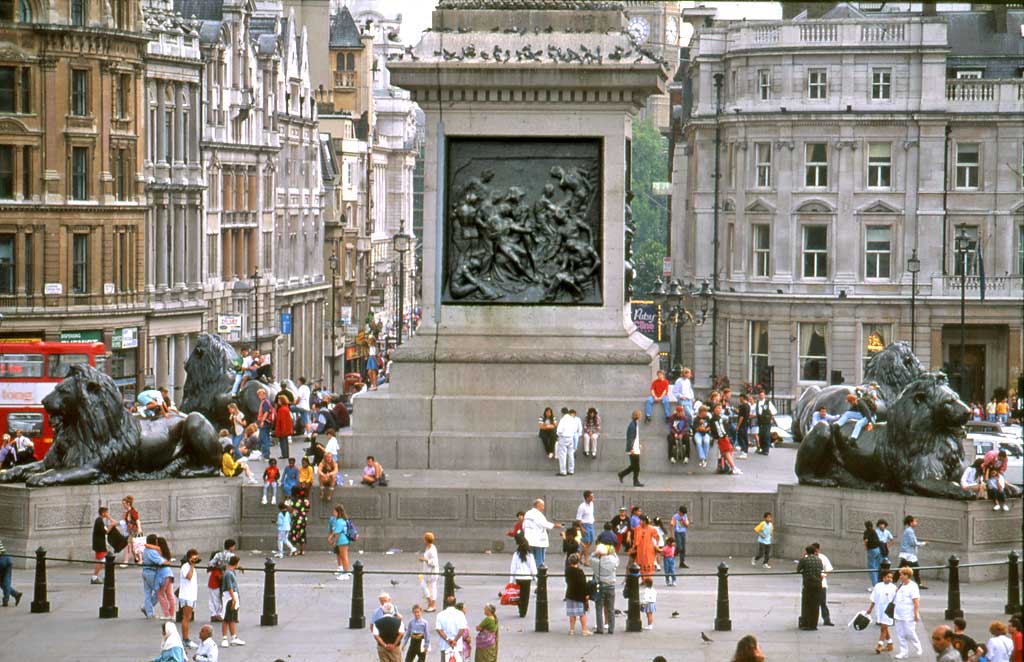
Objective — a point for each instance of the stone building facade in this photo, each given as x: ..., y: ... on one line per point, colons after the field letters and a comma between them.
x: 848, y: 142
x: 72, y: 203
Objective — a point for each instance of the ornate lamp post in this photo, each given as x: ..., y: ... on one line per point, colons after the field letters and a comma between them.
x: 334, y: 317
x: 400, y: 242
x: 914, y: 267
x: 380, y: 270
x: 672, y: 295
x: 256, y: 309
x: 963, y: 243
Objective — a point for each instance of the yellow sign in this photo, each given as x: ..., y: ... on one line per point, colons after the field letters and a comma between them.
x: 875, y: 343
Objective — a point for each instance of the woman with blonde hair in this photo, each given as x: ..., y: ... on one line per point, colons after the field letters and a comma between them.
x: 430, y: 567
x: 1000, y: 645
x: 327, y: 474
x: 907, y: 613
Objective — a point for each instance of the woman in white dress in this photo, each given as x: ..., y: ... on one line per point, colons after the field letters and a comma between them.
x: 430, y: 567
x: 881, y: 595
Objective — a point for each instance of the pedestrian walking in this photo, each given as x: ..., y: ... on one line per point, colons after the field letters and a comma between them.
x: 1016, y: 632
x: 132, y: 531
x: 165, y: 580
x: 300, y: 515
x: 564, y: 445
x: 743, y: 426
x: 884, y: 538
x: 873, y: 550
x: 882, y: 595
x: 284, y: 527
x: 577, y: 596
x: 387, y: 631
x: 171, y: 647
x: 283, y: 427
x: 339, y: 540
x: 535, y: 528
x: 764, y: 412
x: 101, y: 526
x: 188, y: 594
x: 680, y: 525
x: 968, y: 648
x: 942, y: 644
x: 810, y: 568
x: 633, y: 449
x: 591, y: 432
x: 430, y: 568
x: 648, y: 601
x: 230, y: 599
x: 522, y: 572
x: 487, y: 636
x: 548, y: 431
x: 909, y: 546
x: 764, y: 530
x: 6, y: 575
x: 999, y: 647
x: 907, y: 613
x: 604, y: 564
x: 668, y: 553
x: 585, y: 516
x: 417, y: 637
x: 218, y: 564
x: 151, y: 562
x: 826, y: 567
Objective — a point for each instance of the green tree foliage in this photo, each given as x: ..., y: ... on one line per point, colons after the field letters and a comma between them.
x: 650, y: 212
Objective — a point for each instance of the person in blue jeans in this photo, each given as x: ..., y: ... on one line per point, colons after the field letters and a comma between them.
x: 6, y: 572
x: 151, y: 562
x: 860, y: 411
x: 659, y: 392
x: 874, y: 551
x: 265, y: 421
x: 680, y: 525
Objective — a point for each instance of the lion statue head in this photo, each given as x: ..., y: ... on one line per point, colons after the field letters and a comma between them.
x: 90, y: 423
x: 893, y: 369
x: 209, y: 375
x: 925, y: 431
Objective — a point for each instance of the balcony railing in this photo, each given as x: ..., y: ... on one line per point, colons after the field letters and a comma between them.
x: 985, y: 95
x: 996, y: 287
x: 831, y: 33
x: 345, y: 79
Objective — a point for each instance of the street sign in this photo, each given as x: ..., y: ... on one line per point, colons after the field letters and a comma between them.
x: 286, y: 323
x: 229, y: 323
x: 53, y: 288
x: 346, y: 315
x: 666, y: 268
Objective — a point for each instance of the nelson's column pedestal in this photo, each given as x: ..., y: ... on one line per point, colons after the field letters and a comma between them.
x: 525, y: 241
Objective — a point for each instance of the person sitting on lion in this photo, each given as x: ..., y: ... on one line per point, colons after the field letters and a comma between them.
x: 151, y: 404
x: 860, y: 411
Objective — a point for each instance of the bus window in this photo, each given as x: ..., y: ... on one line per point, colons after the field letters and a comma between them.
x: 21, y: 366
x: 31, y: 423
x: 59, y: 364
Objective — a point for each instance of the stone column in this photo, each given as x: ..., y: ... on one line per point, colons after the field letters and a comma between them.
x: 161, y: 134
x: 179, y: 366
x: 195, y: 237
x: 161, y: 360
x: 179, y: 122
x: 160, y: 246
x: 179, y: 244
x: 193, y: 128
x: 239, y: 248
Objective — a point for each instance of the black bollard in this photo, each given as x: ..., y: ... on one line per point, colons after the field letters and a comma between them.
x: 269, y: 616
x: 109, y: 607
x: 541, y: 608
x: 449, y: 582
x: 1013, y: 585
x: 39, y: 603
x: 953, y: 609
x: 357, y: 621
x: 722, y: 621
x: 633, y: 622
x: 883, y: 566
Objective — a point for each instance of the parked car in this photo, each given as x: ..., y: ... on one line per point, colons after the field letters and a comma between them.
x: 985, y: 436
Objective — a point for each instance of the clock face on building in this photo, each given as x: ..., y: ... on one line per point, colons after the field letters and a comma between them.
x: 639, y: 28
x: 671, y: 32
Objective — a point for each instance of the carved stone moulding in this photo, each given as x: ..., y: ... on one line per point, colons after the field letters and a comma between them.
x: 523, y: 222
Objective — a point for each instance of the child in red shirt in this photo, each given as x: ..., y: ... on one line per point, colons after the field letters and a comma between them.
x: 271, y: 475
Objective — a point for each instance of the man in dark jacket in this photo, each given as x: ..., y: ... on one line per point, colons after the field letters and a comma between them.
x: 633, y: 450
x: 811, y: 568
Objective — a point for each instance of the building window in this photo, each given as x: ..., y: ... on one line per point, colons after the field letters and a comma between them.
x: 881, y: 84
x: 124, y: 104
x: 815, y: 251
x: 78, y: 12
x: 817, y: 84
x: 25, y: 90
x: 121, y: 14
x: 878, y: 251
x: 80, y: 173
x: 26, y: 172
x: 879, y: 165
x: 15, y: 90
x: 763, y: 160
x: 169, y: 135
x: 876, y: 338
x: 1020, y: 250
x: 816, y: 165
x: 184, y: 136
x: 762, y: 250
x: 967, y: 166
x: 79, y: 92
x: 121, y: 174
x: 813, y: 352
x: 966, y: 261
x: 6, y: 172
x: 80, y: 264
x: 29, y: 265
x: 6, y: 264
x: 759, y: 353
x: 764, y: 84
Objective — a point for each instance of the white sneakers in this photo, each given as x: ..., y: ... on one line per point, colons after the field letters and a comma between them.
x: 1006, y: 507
x: 235, y: 641
x: 273, y: 500
x: 996, y: 507
x: 264, y: 502
x: 737, y: 472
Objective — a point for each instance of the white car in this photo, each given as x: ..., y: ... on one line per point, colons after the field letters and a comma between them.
x: 985, y: 436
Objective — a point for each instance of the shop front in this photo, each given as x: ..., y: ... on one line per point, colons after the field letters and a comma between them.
x: 124, y: 361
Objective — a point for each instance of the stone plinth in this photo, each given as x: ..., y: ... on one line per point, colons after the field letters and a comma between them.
x: 472, y: 383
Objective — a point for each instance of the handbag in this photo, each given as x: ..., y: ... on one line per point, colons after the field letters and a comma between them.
x: 116, y: 540
x: 452, y: 655
x: 890, y: 609
x: 510, y: 594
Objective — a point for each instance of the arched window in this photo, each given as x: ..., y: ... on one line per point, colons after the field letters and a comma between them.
x: 350, y: 61
x: 340, y: 61
x: 77, y: 12
x: 24, y: 11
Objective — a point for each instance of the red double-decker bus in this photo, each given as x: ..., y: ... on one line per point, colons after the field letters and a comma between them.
x: 29, y: 371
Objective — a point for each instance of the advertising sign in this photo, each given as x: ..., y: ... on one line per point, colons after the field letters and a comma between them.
x: 19, y: 394
x: 647, y: 318
x: 127, y: 338
x: 229, y: 323
x: 81, y: 336
x: 286, y: 323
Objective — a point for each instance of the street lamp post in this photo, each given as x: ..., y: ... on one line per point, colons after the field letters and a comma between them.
x: 719, y: 79
x: 672, y: 295
x: 963, y: 242
x: 914, y: 267
x: 334, y: 317
x: 256, y: 309
x: 400, y: 242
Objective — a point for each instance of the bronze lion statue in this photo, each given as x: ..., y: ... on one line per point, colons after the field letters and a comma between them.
x: 97, y: 440
x: 888, y: 372
x: 917, y: 451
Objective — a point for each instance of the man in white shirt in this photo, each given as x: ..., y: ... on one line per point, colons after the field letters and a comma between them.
x: 535, y: 530
x: 585, y: 514
x: 301, y: 406
x: 682, y: 392
x: 332, y: 446
x: 578, y: 432
x: 245, y: 364
x: 23, y: 448
x: 564, y: 446
x: 827, y: 565
x: 764, y: 413
x: 449, y: 623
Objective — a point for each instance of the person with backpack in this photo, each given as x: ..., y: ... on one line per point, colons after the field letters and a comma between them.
x: 342, y: 533
x: 265, y: 421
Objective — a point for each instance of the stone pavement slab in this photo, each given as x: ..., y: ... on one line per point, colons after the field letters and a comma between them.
x: 313, y: 613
